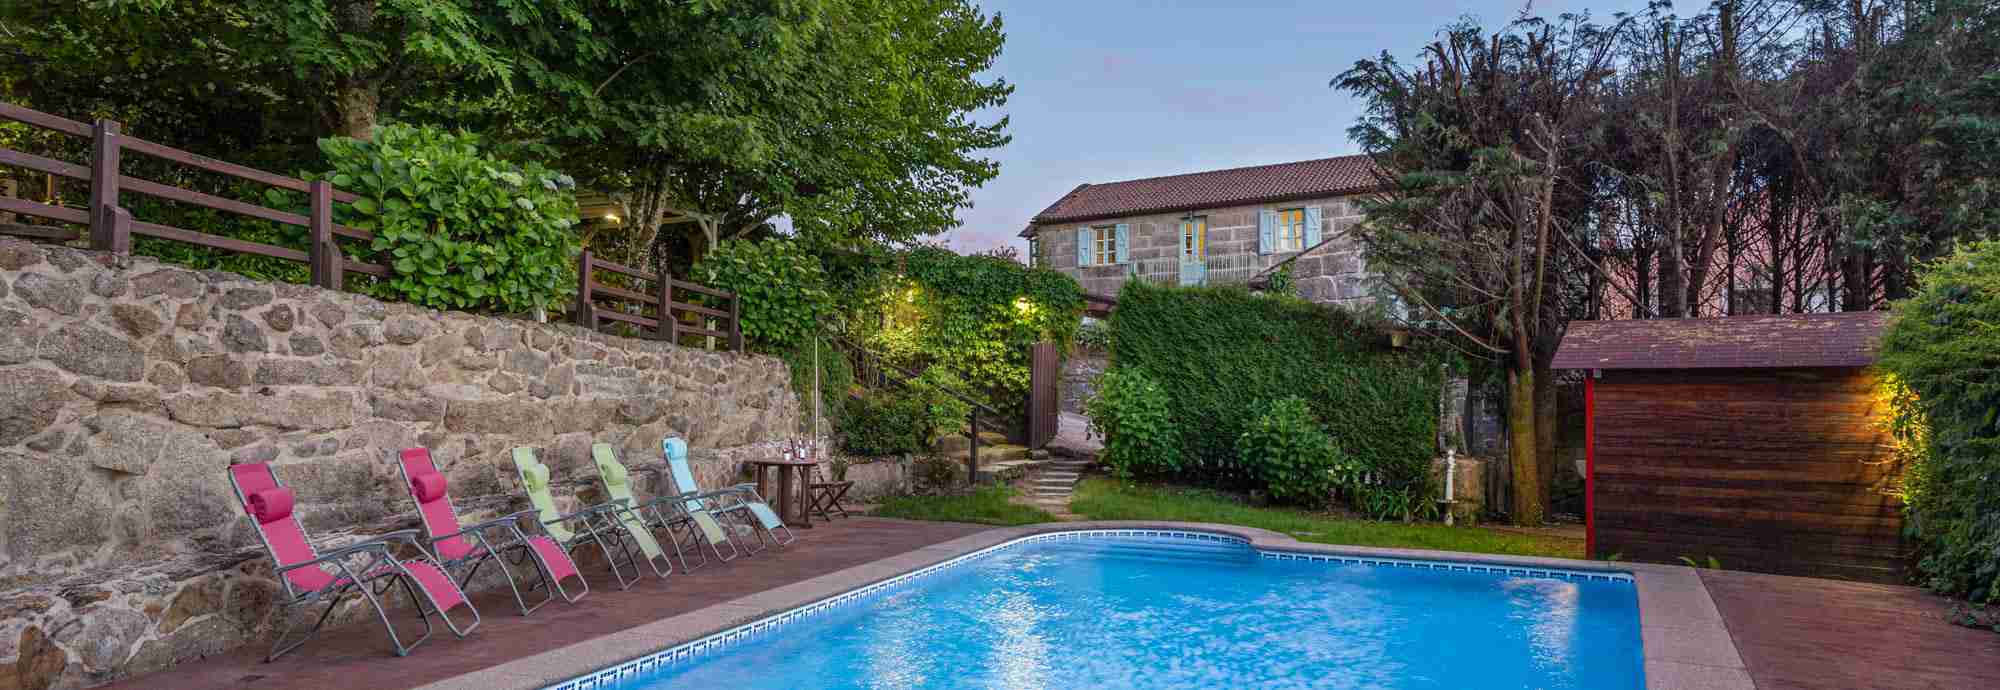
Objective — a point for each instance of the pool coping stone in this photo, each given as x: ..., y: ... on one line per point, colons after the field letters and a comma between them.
x: 1686, y: 645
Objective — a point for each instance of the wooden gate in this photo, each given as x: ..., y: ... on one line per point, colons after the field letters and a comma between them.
x: 1044, y: 394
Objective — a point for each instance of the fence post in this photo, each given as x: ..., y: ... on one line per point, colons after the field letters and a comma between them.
x: 736, y: 321
x: 670, y: 327
x: 586, y: 313
x: 106, y: 233
x: 328, y: 264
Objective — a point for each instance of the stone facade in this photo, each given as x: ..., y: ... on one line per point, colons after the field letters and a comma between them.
x: 1331, y: 273
x: 127, y: 388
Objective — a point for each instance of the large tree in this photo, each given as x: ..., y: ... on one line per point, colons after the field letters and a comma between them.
x: 317, y: 68
x: 854, y: 119
x: 1487, y: 149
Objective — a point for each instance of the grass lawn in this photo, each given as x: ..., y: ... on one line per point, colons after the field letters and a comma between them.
x: 1105, y: 499
x: 987, y: 506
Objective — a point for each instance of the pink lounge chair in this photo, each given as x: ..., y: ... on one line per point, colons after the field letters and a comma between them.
x: 369, y: 568
x: 466, y: 548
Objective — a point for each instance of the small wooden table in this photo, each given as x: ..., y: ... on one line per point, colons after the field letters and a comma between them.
x: 793, y: 495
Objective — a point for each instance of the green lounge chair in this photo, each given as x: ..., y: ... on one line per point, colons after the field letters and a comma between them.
x: 636, y: 518
x: 591, y: 525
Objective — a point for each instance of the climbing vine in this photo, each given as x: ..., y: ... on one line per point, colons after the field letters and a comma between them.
x: 975, y: 316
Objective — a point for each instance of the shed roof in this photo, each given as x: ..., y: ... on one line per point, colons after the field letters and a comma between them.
x: 1192, y: 191
x: 1846, y: 339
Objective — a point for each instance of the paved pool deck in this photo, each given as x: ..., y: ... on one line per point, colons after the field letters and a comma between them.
x: 1701, y: 629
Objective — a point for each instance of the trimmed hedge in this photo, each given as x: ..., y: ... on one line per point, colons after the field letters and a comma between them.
x: 1943, y: 344
x: 1224, y: 355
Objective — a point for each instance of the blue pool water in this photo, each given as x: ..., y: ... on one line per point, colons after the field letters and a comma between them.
x: 1167, y: 612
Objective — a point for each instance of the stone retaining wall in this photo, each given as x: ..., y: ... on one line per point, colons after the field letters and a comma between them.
x: 126, y: 390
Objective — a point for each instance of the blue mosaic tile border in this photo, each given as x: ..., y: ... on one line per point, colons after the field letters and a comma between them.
x: 689, y: 651
x: 1544, y: 573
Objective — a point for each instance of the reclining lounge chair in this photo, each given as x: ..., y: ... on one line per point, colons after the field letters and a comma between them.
x: 467, y: 548
x: 368, y: 568
x: 741, y: 500
x: 591, y: 525
x: 635, y: 518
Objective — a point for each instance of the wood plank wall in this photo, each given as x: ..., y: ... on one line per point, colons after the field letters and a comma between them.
x: 1780, y: 471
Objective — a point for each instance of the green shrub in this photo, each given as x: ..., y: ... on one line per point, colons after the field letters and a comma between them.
x: 782, y: 287
x: 1094, y: 336
x: 1131, y: 413
x: 944, y: 412
x: 885, y: 423
x: 1943, y: 349
x: 460, y: 228
x: 1220, y: 353
x: 1285, y: 449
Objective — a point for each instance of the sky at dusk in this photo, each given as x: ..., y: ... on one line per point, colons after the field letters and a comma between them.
x: 1109, y: 90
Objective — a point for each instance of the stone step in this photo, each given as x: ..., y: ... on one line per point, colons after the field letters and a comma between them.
x: 1004, y: 452
x: 1058, y: 474
x: 958, y: 443
x: 1064, y: 483
x: 991, y: 470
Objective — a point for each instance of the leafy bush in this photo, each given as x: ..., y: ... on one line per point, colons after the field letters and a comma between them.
x: 782, y: 286
x: 936, y: 474
x: 1131, y: 413
x: 1289, y: 454
x: 1094, y: 335
x: 944, y: 412
x: 885, y: 423
x: 1220, y: 353
x: 1943, y: 348
x: 461, y: 229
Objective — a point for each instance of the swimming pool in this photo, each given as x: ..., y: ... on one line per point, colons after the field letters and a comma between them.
x: 1163, y: 609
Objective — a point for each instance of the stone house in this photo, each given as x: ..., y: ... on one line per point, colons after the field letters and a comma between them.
x: 1212, y: 228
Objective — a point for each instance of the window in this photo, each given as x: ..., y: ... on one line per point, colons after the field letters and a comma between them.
x: 1291, y: 230
x: 1034, y: 251
x: 1194, y: 239
x: 1104, y: 245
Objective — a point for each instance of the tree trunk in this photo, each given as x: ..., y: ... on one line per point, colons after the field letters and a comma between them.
x: 1521, y: 449
x: 357, y: 103
x: 357, y: 98
x: 1545, y: 432
x: 1673, y: 256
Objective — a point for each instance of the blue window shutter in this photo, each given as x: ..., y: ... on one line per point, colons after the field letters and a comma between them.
x: 1312, y: 226
x: 1267, y: 231
x: 1124, y: 240
x: 1083, y: 242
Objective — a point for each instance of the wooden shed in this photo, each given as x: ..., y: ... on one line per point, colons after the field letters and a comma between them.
x: 1757, y: 441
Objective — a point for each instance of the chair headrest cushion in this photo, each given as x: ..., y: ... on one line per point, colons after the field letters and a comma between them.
x: 271, y: 505
x: 535, y: 476
x: 428, y: 487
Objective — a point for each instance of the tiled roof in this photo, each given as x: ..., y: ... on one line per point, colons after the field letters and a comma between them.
x: 1764, y: 341
x: 1235, y: 186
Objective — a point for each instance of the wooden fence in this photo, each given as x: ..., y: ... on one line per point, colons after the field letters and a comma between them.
x: 112, y: 227
x: 657, y: 313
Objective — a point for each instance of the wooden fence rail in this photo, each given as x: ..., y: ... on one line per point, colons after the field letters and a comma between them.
x: 666, y: 312
x: 112, y: 227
